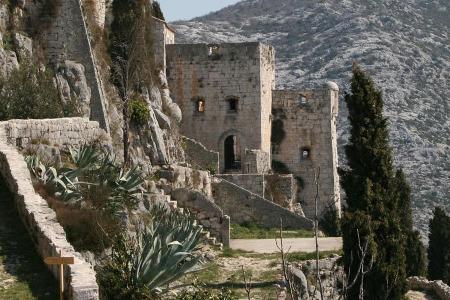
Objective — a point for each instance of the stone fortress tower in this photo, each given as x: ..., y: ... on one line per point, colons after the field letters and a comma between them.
x: 229, y: 103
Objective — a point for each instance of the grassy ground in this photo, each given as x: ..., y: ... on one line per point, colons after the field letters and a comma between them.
x: 23, y: 275
x: 227, y: 270
x: 254, y: 232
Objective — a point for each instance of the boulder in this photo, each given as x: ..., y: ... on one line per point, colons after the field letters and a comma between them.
x: 8, y: 62
x: 298, y: 279
x: 24, y: 46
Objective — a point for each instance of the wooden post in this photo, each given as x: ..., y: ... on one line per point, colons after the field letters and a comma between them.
x: 61, y: 279
x: 60, y: 261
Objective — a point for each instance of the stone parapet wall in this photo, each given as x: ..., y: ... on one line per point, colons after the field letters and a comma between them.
x: 199, y: 157
x: 209, y: 214
x: 280, y: 189
x: 244, y: 206
x: 63, y: 132
x: 437, y: 287
x: 42, y: 225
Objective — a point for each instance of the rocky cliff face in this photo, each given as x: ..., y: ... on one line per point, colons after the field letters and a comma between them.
x: 405, y: 46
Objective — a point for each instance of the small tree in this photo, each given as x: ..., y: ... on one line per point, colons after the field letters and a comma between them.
x: 439, y: 247
x: 131, y: 53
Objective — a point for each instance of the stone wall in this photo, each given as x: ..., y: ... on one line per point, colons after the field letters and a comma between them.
x: 199, y: 157
x: 280, y: 189
x: 42, y: 225
x: 256, y: 162
x: 437, y: 287
x: 209, y: 214
x: 162, y: 35
x: 217, y: 76
x: 309, y: 123
x: 244, y: 206
x: 68, y: 39
x: 64, y: 131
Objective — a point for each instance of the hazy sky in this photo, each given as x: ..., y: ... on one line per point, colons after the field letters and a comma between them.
x: 187, y: 9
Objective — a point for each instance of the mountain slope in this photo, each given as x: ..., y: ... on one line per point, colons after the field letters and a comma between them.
x: 405, y: 46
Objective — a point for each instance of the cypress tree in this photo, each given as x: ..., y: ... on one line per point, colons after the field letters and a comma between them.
x: 157, y: 12
x: 414, y: 251
x: 372, y: 196
x: 439, y: 247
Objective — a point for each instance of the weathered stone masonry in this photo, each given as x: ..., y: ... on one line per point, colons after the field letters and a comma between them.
x: 309, y: 146
x: 64, y: 131
x: 215, y: 75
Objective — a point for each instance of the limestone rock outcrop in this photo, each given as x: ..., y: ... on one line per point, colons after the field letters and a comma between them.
x: 73, y: 85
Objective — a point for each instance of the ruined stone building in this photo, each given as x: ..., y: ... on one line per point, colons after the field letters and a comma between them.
x: 230, y: 104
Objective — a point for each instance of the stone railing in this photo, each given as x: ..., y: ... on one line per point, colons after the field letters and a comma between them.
x: 63, y: 131
x: 437, y: 287
x: 244, y: 206
x: 41, y: 223
x: 199, y: 157
x: 209, y: 214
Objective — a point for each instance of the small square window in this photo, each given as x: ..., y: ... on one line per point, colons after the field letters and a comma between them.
x: 305, y: 154
x: 201, y: 105
x: 213, y: 50
x: 232, y: 105
x: 303, y: 99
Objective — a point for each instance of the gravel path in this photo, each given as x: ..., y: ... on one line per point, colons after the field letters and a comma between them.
x: 296, y: 245
x: 23, y: 275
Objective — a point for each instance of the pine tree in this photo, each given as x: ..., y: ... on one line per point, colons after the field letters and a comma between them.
x: 439, y: 247
x: 372, y: 217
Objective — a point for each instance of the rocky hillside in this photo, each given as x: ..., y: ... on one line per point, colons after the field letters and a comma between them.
x: 405, y: 45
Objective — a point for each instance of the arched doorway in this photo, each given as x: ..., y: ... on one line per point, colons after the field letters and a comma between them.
x: 232, y: 153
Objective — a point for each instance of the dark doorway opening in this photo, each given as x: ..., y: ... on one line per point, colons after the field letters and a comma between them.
x: 232, y: 160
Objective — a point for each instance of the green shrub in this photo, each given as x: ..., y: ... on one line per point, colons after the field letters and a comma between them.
x: 200, y: 292
x: 162, y: 252
x: 29, y: 93
x: 8, y: 43
x: 139, y: 112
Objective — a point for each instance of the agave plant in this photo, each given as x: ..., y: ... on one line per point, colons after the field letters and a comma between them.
x: 93, y: 177
x: 162, y: 252
x: 166, y: 248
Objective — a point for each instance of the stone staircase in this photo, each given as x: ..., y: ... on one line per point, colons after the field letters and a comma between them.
x: 208, y: 238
